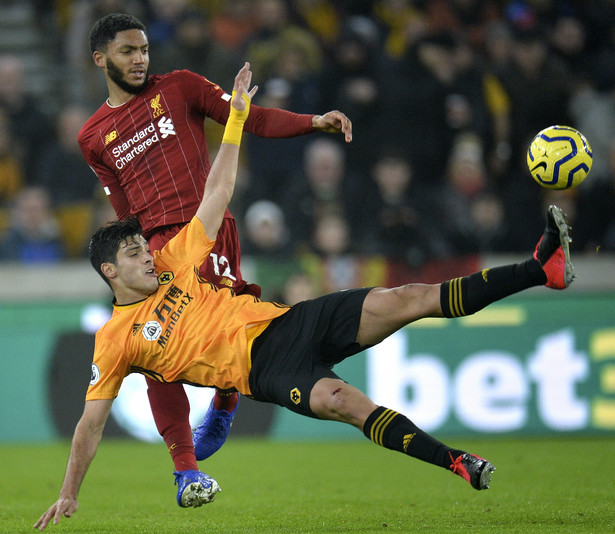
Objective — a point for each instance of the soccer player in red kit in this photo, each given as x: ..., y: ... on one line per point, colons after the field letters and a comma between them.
x: 147, y: 146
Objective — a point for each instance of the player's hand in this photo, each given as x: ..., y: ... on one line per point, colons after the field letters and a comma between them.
x: 333, y: 122
x: 62, y: 507
x: 241, y: 90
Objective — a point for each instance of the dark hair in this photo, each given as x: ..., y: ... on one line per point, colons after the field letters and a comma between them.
x: 106, y: 242
x: 105, y: 29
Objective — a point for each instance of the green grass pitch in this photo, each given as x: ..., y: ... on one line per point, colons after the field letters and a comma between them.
x: 541, y: 485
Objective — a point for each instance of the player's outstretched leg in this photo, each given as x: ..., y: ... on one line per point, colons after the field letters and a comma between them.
x: 553, y: 250
x: 395, y: 431
x: 335, y: 400
x: 549, y: 266
x: 211, y: 434
x: 387, y: 310
x: 195, y: 488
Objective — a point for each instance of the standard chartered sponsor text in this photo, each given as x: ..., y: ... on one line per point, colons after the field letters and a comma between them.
x: 136, y: 145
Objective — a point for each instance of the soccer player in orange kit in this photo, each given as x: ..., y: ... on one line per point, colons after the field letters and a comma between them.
x: 147, y: 146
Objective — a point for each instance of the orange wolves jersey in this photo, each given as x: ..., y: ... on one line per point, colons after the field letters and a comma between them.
x: 188, y: 331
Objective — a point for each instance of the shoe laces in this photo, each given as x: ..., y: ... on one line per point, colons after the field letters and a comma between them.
x: 457, y: 464
x: 458, y: 468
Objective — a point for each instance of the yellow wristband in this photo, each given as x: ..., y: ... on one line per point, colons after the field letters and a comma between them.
x: 235, y: 122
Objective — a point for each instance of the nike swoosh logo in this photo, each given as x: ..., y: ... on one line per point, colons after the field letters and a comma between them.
x: 542, y: 165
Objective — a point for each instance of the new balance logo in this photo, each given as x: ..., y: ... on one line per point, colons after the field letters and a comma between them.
x: 110, y: 137
x: 166, y: 127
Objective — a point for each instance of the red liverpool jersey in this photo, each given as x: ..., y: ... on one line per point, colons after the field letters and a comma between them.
x: 150, y: 153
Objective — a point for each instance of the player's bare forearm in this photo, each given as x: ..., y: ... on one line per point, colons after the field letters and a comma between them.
x: 333, y: 122
x: 220, y: 183
x: 86, y: 438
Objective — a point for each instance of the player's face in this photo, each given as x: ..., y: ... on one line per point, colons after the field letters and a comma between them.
x: 127, y: 60
x: 136, y: 276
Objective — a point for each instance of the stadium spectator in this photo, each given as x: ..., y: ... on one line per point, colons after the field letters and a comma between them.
x: 194, y: 49
x: 498, y: 45
x: 12, y: 178
x: 330, y: 260
x: 356, y: 75
x: 283, y: 51
x: 269, y: 176
x: 568, y: 42
x: 164, y: 17
x: 266, y: 234
x: 232, y: 23
x: 323, y: 186
x: 467, y: 17
x: 229, y: 340
x: 267, y: 252
x: 299, y: 286
x: 471, y: 214
x: 62, y: 171
x: 403, y: 24
x: 275, y: 35
x: 595, y: 228
x: 33, y: 235
x: 522, y: 205
x: 288, y: 60
x: 436, y: 103
x: 497, y: 57
x: 147, y: 145
x: 592, y: 109
x: 29, y: 122
x: 538, y: 85
x: 321, y: 17
x: 398, y: 214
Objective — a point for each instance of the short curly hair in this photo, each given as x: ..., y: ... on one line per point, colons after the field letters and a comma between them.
x: 105, y: 29
x: 106, y: 242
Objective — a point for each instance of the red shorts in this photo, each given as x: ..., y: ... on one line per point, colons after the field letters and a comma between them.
x: 222, y: 267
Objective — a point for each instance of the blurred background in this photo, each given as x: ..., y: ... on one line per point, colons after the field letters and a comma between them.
x: 444, y: 97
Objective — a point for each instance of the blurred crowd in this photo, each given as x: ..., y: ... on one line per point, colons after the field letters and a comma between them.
x: 444, y: 97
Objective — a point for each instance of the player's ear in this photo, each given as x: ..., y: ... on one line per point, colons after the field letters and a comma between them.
x: 109, y: 270
x: 99, y: 59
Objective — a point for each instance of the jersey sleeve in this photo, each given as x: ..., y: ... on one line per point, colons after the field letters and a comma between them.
x: 108, y: 370
x: 214, y: 102
x: 109, y: 181
x: 190, y: 245
x: 277, y: 123
x: 114, y: 191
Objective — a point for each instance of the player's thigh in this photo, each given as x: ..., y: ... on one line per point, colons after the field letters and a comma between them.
x: 387, y: 310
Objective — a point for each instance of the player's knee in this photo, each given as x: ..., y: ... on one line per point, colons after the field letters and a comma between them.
x: 341, y: 402
x: 328, y: 399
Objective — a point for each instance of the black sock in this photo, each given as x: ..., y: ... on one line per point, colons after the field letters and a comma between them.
x: 395, y: 431
x: 469, y: 294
